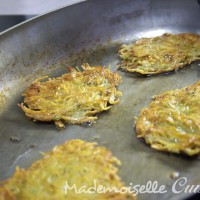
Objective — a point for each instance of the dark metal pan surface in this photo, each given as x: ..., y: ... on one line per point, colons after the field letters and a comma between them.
x: 92, y: 32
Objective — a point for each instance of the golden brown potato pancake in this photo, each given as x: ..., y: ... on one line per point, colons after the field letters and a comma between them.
x: 160, y: 54
x: 172, y: 121
x: 75, y: 163
x: 73, y: 98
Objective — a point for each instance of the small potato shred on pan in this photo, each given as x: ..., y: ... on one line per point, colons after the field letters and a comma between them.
x: 73, y: 98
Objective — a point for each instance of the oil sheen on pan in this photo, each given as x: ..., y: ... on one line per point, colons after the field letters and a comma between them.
x: 73, y: 98
x: 171, y: 122
x: 75, y: 162
x: 160, y: 54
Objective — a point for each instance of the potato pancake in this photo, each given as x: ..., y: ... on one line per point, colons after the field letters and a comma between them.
x: 75, y: 163
x: 172, y: 121
x: 73, y: 98
x: 160, y: 54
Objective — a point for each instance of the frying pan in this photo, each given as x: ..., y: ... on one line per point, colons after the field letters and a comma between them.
x: 92, y: 32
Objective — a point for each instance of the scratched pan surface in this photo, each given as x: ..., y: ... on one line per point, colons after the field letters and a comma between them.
x: 92, y: 32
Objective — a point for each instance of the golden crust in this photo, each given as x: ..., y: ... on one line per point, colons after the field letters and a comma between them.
x: 160, y: 54
x: 171, y: 122
x: 75, y: 162
x: 73, y: 98
x: 6, y: 194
